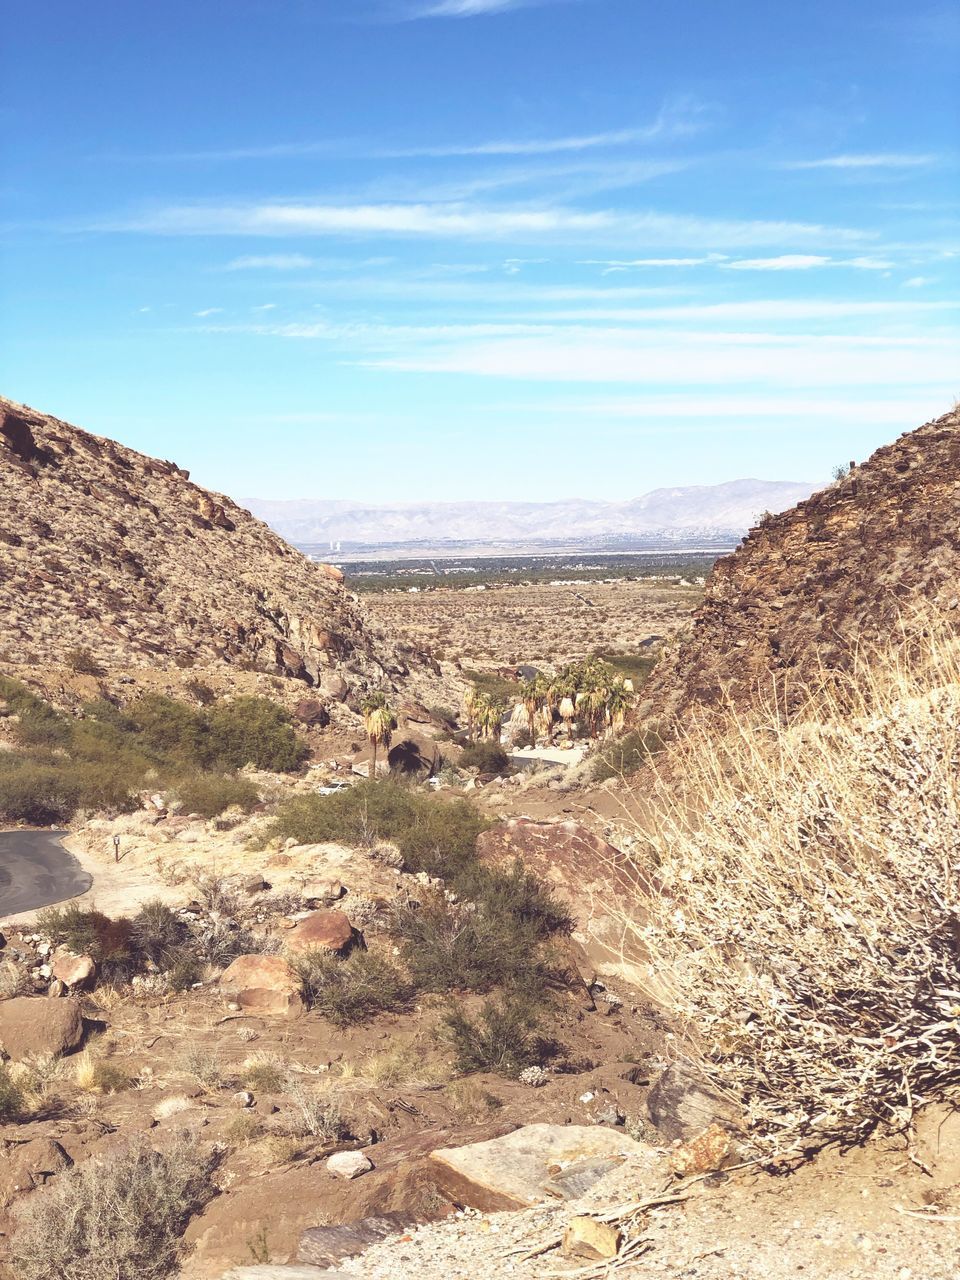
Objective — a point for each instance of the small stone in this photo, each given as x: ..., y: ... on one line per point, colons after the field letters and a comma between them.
x: 349, y: 1164
x: 591, y: 1239
x: 243, y: 1098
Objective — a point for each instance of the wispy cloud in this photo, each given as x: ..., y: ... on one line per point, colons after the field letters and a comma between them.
x: 805, y: 262
x: 209, y: 311
x: 678, y: 118
x: 468, y: 8
x: 874, y: 160
x: 271, y: 262
x: 459, y: 221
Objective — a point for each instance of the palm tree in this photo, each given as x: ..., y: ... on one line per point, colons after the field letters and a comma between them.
x: 471, y: 700
x: 532, y: 695
x: 619, y: 699
x: 489, y: 715
x: 379, y: 720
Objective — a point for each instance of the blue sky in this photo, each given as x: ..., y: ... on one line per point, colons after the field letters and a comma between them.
x: 412, y: 249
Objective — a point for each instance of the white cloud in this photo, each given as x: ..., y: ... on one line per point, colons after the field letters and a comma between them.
x: 463, y: 221
x: 918, y: 282
x: 623, y: 264
x: 266, y: 306
x: 209, y: 311
x: 785, y: 262
x: 880, y: 160
x: 271, y: 262
x: 890, y: 410
x: 467, y: 8
x: 675, y: 119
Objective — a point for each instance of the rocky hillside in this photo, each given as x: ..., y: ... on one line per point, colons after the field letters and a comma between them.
x: 808, y: 586
x: 107, y: 550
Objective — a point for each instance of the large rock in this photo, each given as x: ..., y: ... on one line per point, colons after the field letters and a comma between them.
x: 683, y: 1103
x: 28, y: 1165
x: 75, y: 972
x: 35, y: 1025
x: 262, y: 984
x: 326, y: 1246
x: 328, y: 930
x: 513, y: 1172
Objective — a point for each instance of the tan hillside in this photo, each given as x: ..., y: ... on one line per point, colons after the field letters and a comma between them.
x: 105, y: 549
x: 810, y: 586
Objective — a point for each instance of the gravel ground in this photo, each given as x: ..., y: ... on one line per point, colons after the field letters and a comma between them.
x: 836, y: 1219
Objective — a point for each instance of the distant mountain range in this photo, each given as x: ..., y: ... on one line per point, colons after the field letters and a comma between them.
x: 729, y: 508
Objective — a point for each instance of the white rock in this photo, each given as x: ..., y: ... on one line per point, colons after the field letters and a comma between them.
x: 349, y: 1164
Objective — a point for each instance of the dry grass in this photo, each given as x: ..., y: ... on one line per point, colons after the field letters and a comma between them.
x: 116, y: 1219
x: 804, y: 924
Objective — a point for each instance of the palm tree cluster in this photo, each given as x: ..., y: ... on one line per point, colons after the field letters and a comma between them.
x: 587, y: 698
x: 484, y: 714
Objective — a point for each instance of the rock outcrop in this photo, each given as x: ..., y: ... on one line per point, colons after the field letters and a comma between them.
x: 106, y: 550
x: 810, y: 586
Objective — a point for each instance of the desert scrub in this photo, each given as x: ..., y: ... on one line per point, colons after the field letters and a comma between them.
x: 352, y: 990
x: 121, y: 1219
x: 503, y: 1038
x: 210, y: 794
x: 433, y: 835
x: 622, y: 756
x: 11, y: 1094
x: 805, y: 913
x: 488, y: 757
x: 109, y: 941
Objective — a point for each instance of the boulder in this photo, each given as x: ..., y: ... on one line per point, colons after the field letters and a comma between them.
x: 705, y: 1153
x: 334, y: 686
x: 332, y: 572
x: 513, y: 1171
x: 349, y: 1164
x: 326, y: 1246
x: 262, y: 984
x: 75, y: 972
x: 683, y: 1103
x: 328, y: 930
x: 312, y: 712
x: 35, y: 1025
x: 591, y: 1239
x: 28, y: 1165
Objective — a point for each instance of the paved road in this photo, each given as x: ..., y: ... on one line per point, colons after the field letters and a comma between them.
x: 36, y: 871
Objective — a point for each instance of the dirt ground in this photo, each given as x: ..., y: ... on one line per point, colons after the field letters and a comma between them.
x: 540, y: 624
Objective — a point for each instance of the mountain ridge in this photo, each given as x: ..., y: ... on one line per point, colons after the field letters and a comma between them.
x: 731, y: 507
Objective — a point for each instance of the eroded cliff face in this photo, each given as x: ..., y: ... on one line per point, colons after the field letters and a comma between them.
x: 838, y: 571
x: 106, y: 549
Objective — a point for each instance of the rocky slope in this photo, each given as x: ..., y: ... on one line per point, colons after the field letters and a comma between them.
x: 105, y: 549
x: 808, y: 586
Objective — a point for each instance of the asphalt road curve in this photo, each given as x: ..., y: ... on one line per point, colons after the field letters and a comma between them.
x: 36, y: 871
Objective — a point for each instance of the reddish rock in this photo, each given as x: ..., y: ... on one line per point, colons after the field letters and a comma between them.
x: 35, y: 1025
x: 327, y: 930
x: 262, y: 984
x: 331, y: 571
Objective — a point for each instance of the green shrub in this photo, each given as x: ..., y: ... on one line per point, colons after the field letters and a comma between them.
x: 169, y: 729
x: 11, y: 1096
x: 157, y: 932
x: 116, y: 1219
x: 201, y: 692
x: 434, y: 835
x: 109, y: 942
x: 488, y: 757
x: 39, y: 794
x: 209, y: 794
x: 516, y: 894
x: 254, y: 731
x: 458, y: 946
x: 352, y: 990
x: 184, y: 969
x: 504, y: 1037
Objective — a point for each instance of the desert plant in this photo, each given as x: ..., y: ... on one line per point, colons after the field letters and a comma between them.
x: 803, y: 914
x: 89, y: 932
x: 488, y: 757
x: 503, y: 1038
x: 84, y: 663
x: 314, y: 1114
x: 116, y: 1219
x: 351, y: 990
x: 209, y: 794
x: 157, y: 932
x: 265, y: 1072
x: 11, y: 1094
